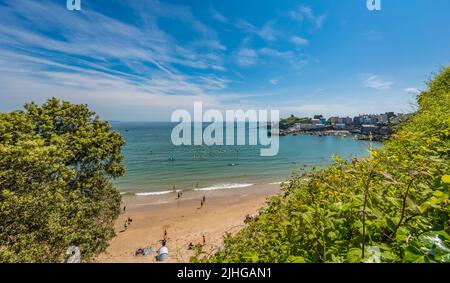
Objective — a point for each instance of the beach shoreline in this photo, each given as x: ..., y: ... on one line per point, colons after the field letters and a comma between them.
x: 184, y: 220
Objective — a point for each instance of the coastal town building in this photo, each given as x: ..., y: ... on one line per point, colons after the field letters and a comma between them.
x: 340, y: 127
x: 321, y: 119
x: 364, y: 126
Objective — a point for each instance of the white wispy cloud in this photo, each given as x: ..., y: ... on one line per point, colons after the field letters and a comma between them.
x: 376, y: 82
x: 272, y: 32
x: 149, y: 9
x: 412, y: 90
x: 106, y: 39
x: 303, y: 13
x: 299, y: 40
x: 275, y: 80
x: 120, y: 66
x: 296, y: 60
x: 246, y: 57
x: 111, y: 60
x: 219, y: 17
x: 211, y: 44
x: 267, y: 32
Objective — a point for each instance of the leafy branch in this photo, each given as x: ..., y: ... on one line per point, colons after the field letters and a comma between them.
x: 366, y: 191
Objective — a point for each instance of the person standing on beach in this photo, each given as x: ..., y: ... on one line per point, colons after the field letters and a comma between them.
x: 204, y: 240
x: 124, y: 208
x: 204, y: 199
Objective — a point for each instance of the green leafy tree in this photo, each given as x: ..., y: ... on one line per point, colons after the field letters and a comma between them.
x: 57, y: 163
x: 291, y: 121
x: 392, y: 206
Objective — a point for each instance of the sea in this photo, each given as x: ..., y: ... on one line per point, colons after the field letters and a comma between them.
x: 155, y: 166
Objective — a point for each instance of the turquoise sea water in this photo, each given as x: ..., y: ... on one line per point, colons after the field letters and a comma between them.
x: 150, y: 170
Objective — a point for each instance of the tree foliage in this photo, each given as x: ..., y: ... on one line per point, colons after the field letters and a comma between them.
x: 57, y: 162
x: 392, y: 206
x: 291, y: 121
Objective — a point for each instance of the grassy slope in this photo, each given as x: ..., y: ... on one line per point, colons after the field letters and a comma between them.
x: 291, y: 121
x: 318, y: 217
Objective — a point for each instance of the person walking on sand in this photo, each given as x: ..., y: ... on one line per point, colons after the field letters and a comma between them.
x: 204, y: 199
x: 204, y: 240
x: 125, y: 226
x: 124, y: 208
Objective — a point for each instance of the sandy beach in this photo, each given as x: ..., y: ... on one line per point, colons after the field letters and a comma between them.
x: 184, y: 220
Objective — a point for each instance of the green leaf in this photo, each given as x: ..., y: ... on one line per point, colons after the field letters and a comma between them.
x: 296, y: 259
x: 446, y: 179
x: 414, y: 255
x: 354, y: 255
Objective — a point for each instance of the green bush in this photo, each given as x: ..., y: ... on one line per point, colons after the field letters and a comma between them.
x: 291, y: 121
x: 56, y: 165
x: 392, y: 206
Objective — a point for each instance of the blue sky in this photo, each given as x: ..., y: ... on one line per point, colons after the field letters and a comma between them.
x: 140, y: 60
